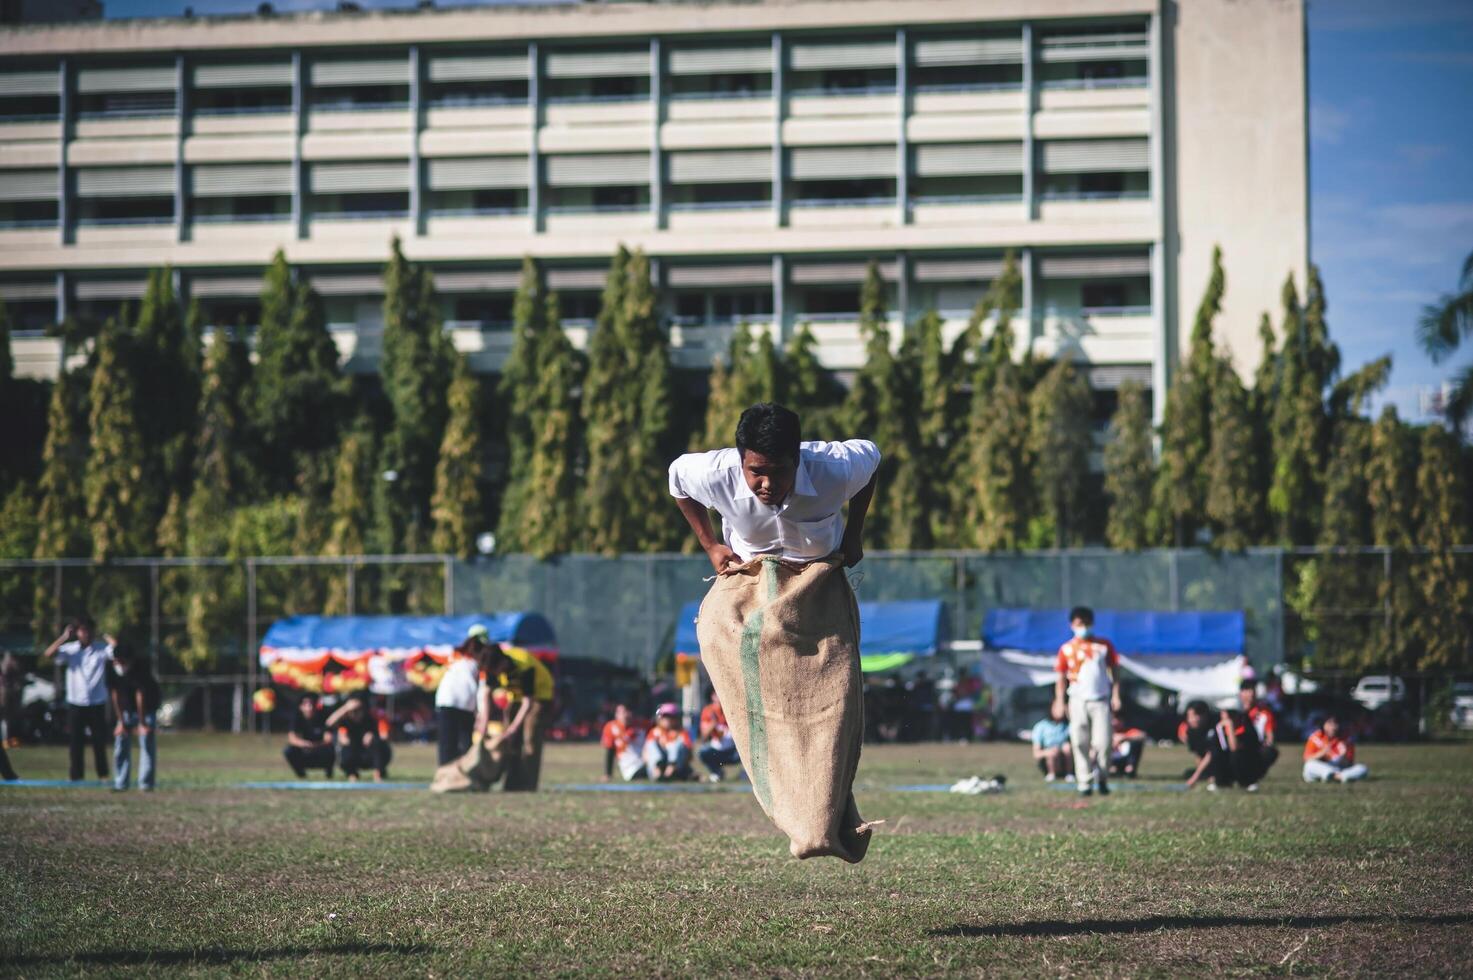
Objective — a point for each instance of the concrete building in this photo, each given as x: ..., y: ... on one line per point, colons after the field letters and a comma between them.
x: 762, y: 152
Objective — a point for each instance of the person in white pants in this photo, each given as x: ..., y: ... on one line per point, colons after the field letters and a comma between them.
x: 1328, y: 758
x: 1089, y: 670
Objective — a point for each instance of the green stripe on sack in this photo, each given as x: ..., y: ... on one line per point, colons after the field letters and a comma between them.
x: 752, y: 683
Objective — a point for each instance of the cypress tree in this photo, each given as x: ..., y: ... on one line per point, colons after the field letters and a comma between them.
x: 1233, y: 506
x: 296, y: 382
x: 1346, y: 584
x: 351, y: 508
x: 119, y: 497
x: 457, y: 506
x: 518, y: 393
x: 719, y: 405
x: 552, y: 526
x: 1297, y: 424
x: 165, y: 348
x: 1060, y: 440
x: 1391, y: 480
x: 1130, y: 470
x: 628, y: 412
x: 1000, y: 483
x: 931, y: 382
x: 872, y: 410
x: 1445, y: 585
x: 62, y: 511
x: 416, y: 367
x: 750, y: 373
x: 809, y: 388
x: 1181, y: 483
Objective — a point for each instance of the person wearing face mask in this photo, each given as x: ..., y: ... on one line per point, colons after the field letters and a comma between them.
x: 1089, y: 673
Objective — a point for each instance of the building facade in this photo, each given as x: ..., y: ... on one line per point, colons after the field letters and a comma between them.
x: 761, y: 152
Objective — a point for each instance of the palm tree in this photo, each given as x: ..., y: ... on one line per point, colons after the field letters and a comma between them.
x: 1442, y: 327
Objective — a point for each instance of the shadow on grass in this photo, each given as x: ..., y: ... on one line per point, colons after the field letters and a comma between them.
x: 1153, y: 923
x: 217, y: 956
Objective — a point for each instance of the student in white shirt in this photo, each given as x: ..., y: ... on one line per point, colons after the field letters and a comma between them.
x: 455, y: 705
x: 85, y: 658
x: 775, y: 494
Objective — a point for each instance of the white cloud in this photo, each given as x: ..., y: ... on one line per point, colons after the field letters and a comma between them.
x: 1327, y: 123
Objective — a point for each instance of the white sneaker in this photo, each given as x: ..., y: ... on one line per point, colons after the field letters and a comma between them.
x: 1212, y: 787
x: 713, y: 778
x: 1049, y: 777
x: 1252, y: 787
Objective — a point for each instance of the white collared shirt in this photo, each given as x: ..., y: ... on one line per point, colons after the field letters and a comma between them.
x: 807, y: 525
x: 86, y: 668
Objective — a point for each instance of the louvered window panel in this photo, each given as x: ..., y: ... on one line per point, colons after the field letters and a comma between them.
x: 477, y: 280
x: 1108, y: 377
x: 940, y: 51
x: 1094, y: 156
x: 695, y: 276
x: 360, y: 178
x: 241, y: 180
x: 598, y: 64
x: 858, y: 54
x: 225, y: 287
x: 956, y: 270
x: 378, y: 71
x: 109, y: 289
x: 842, y: 162
x: 474, y: 173
x: 15, y: 291
x: 160, y: 78
x: 30, y: 83
x: 28, y: 185
x: 1131, y: 44
x: 125, y: 182
x: 838, y: 273
x: 598, y: 170
x: 1093, y: 266
x: 719, y: 166
x: 580, y: 279
x: 968, y: 159
x: 478, y: 67
x: 715, y: 61
x: 348, y: 284
x: 257, y: 74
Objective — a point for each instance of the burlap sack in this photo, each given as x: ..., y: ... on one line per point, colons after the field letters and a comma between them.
x: 781, y: 643
x: 475, y: 772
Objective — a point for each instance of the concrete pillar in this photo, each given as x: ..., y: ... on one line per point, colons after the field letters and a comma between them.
x: 779, y: 109
x: 181, y: 115
x: 416, y: 126
x: 299, y: 126
x: 902, y: 141
x: 65, y: 112
x: 657, y: 116
x: 1030, y: 106
x: 780, y: 297
x: 534, y: 160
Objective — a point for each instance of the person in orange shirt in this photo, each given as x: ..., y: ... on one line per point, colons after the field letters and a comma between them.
x: 623, y: 742
x: 718, y: 749
x: 1264, y: 722
x: 1089, y: 669
x: 1328, y: 758
x: 1126, y: 746
x: 667, y: 747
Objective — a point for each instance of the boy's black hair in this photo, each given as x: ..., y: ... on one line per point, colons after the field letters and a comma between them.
x: 1332, y: 716
x: 1082, y: 612
x: 1248, y: 685
x: 771, y: 430
x: 1199, y: 706
x: 77, y: 622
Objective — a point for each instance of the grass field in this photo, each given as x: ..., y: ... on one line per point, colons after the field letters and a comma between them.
x: 204, y: 877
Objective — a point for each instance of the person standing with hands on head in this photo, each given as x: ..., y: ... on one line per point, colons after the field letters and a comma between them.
x: 85, y: 657
x: 1089, y: 672
x: 135, y: 696
x: 779, y: 629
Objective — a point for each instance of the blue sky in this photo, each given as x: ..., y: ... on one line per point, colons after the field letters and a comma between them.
x: 1391, y: 163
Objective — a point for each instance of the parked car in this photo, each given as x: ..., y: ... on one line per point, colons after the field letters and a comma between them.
x: 1378, y: 689
x: 1462, y: 711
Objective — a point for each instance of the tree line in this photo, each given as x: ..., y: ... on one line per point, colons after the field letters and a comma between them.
x: 165, y: 443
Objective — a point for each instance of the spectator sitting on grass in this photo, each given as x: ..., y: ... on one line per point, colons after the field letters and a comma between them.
x: 1196, y: 734
x: 1264, y: 722
x: 667, y: 747
x: 308, y: 742
x: 718, y: 748
x: 359, y: 744
x: 1051, y: 745
x: 1236, y: 759
x: 623, y: 741
x: 1328, y: 758
x: 1126, y: 746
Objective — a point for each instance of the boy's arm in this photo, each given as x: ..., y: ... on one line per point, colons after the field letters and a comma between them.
x: 722, y: 558
x: 1202, y: 765
x: 1059, y: 689
x: 852, y: 545
x: 1112, y: 668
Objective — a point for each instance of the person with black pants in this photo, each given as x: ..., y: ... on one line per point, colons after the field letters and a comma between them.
x: 86, y: 659
x: 308, y: 743
x: 455, y: 705
x: 359, y: 744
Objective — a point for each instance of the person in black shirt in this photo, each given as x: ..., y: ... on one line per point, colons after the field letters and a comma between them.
x: 359, y: 744
x: 135, y: 696
x: 308, y: 743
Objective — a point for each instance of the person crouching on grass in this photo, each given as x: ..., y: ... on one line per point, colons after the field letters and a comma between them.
x: 623, y: 742
x: 359, y: 744
x: 530, y: 686
x: 135, y: 697
x: 1329, y: 758
x: 308, y: 742
x: 1051, y: 745
x: 667, y: 747
x: 718, y: 748
x: 1090, y: 668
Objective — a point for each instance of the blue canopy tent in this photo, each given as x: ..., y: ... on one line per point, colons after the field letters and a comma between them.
x: 1196, y: 653
x: 891, y: 634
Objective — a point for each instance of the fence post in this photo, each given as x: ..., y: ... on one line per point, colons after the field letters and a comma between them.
x: 251, y: 652
x: 1174, y: 580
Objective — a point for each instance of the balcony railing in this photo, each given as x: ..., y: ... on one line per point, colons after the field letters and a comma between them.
x: 597, y: 208
x: 473, y: 101
x: 716, y: 96
x: 969, y: 87
x: 243, y: 110
x: 13, y: 223
x: 147, y: 113
x: 966, y: 199
x: 1135, y: 81
x: 596, y: 99
x: 1096, y: 195
x: 359, y: 215
x: 717, y: 321
x: 485, y: 326
x: 89, y: 222
x: 843, y: 202
x: 1115, y: 311
x: 476, y: 212
x: 718, y: 205
x: 358, y: 107
x: 231, y: 219
x: 29, y: 117
x: 839, y: 93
